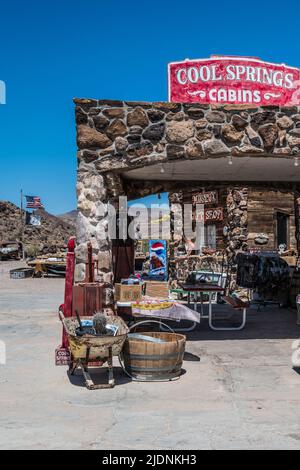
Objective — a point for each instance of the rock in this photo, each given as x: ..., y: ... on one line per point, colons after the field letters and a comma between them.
x: 85, y: 102
x: 269, y: 134
x: 285, y: 122
x: 137, y: 117
x: 290, y: 110
x: 81, y: 117
x: 239, y: 122
x: 108, y: 151
x: 296, y: 117
x: 167, y: 106
x: 135, y: 130
x: 155, y: 132
x: 155, y: 115
x: 86, y: 206
x: 120, y: 144
x: 194, y: 149
x: 204, y: 134
x: 200, y: 123
x: 104, y: 261
x: 140, y: 149
x: 94, y: 111
x: 113, y: 113
x: 282, y: 151
x: 216, y: 128
x: 110, y: 164
x: 92, y: 187
x: 89, y: 138
x: 230, y: 134
x: 215, y: 116
x: 180, y: 116
x: 295, y: 132
x: 89, y: 156
x: 194, y: 113
x: 79, y: 273
x: 282, y: 137
x: 253, y: 137
x: 246, y: 149
x: 215, y: 148
x: 116, y: 128
x: 114, y: 183
x: 294, y: 141
x: 159, y: 148
x: 179, y: 132
x: 261, y: 239
x: 134, y: 138
x: 175, y: 151
x: 263, y: 117
x: 84, y: 230
x: 112, y: 103
x: 100, y: 123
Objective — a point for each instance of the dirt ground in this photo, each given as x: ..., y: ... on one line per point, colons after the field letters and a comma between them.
x: 243, y: 394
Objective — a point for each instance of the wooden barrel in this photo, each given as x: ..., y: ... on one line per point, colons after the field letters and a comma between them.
x: 146, y: 361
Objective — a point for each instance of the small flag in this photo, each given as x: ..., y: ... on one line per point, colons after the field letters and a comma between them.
x: 33, y: 219
x: 33, y: 202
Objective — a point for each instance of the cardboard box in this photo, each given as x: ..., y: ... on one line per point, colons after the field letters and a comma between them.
x: 128, y: 293
x: 157, y: 289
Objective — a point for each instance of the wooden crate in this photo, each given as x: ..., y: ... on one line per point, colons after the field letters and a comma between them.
x: 87, y: 298
x: 157, y: 289
x: 128, y: 293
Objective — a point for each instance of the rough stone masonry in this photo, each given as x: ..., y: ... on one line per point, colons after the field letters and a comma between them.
x: 117, y: 136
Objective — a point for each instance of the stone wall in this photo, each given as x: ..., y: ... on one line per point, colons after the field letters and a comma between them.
x: 117, y: 136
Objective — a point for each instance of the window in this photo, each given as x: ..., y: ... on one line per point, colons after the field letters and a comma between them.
x: 282, y: 229
x: 206, y: 237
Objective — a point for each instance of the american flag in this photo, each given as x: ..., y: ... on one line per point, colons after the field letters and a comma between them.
x: 33, y: 202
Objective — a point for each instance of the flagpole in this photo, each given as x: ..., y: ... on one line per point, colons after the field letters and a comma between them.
x: 22, y: 227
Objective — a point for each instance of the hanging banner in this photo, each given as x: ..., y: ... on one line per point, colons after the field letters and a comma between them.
x: 233, y: 80
x: 158, y: 259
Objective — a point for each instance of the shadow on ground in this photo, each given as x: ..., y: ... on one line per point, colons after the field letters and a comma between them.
x: 270, y: 322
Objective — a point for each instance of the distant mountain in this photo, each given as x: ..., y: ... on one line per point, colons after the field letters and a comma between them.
x: 69, y: 217
x: 50, y: 237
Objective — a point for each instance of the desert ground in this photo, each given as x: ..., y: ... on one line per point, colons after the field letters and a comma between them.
x: 243, y: 394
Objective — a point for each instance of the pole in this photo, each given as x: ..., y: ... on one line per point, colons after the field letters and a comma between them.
x: 22, y: 227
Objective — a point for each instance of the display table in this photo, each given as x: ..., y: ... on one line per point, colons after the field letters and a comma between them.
x: 163, y: 310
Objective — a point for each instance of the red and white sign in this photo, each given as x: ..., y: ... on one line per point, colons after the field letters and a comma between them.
x: 209, y: 197
x: 209, y: 215
x: 233, y: 80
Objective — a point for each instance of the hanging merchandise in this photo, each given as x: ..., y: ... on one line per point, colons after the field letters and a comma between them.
x: 267, y: 273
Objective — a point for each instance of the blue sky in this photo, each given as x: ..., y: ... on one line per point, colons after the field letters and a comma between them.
x: 52, y: 51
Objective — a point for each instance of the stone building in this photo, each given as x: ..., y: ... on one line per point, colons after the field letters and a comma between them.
x: 243, y: 160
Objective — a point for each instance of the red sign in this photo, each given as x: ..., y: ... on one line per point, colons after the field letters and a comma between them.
x: 233, y: 80
x: 210, y: 215
x: 209, y: 197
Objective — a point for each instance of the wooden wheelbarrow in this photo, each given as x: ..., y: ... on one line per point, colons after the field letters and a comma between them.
x: 88, y: 348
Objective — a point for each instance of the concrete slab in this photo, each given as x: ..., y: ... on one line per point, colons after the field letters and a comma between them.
x: 243, y: 394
